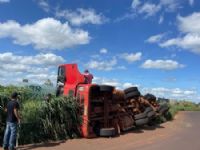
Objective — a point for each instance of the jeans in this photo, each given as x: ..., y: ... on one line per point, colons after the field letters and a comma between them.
x: 10, y: 135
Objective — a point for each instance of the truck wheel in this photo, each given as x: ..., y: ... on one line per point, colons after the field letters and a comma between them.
x: 131, y: 89
x: 141, y: 122
x: 164, y: 109
x: 150, y: 97
x: 148, y: 109
x: 106, y: 88
x: 132, y: 94
x: 140, y: 116
x: 162, y: 106
x: 151, y: 114
x: 107, y: 132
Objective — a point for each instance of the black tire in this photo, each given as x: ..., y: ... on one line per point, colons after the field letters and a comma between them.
x: 107, y: 132
x: 163, y: 106
x: 132, y: 94
x: 151, y: 114
x: 150, y: 97
x: 141, y: 122
x: 140, y: 116
x: 128, y: 90
x: 148, y: 109
x: 106, y: 88
x: 163, y: 110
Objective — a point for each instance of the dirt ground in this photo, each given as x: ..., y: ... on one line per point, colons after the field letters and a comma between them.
x: 181, y: 133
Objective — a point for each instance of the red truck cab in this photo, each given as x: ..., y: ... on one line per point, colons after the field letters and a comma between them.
x: 92, y: 100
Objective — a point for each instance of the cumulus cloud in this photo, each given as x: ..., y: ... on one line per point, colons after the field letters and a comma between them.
x: 131, y: 57
x: 48, y: 59
x: 81, y: 16
x: 35, y: 68
x: 114, y: 82
x: 172, y: 93
x: 102, y: 65
x: 189, y: 26
x: 46, y: 33
x: 161, y: 64
x: 103, y: 51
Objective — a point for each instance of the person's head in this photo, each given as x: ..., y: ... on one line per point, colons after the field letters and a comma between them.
x: 14, y: 95
x: 86, y: 71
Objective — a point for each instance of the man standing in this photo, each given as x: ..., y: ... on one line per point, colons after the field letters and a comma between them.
x: 88, y: 76
x: 12, y: 120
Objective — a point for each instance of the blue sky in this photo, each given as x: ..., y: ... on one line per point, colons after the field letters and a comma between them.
x: 154, y: 45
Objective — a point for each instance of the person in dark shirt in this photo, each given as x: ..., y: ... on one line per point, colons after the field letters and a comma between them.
x: 88, y: 76
x: 12, y: 120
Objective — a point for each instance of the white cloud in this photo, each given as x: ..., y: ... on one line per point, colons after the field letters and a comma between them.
x: 190, y: 42
x: 128, y: 84
x: 152, y: 8
x: 46, y: 33
x: 81, y: 16
x: 44, y: 5
x: 135, y: 4
x: 155, y: 38
x: 102, y: 65
x: 114, y: 82
x: 36, y: 68
x: 170, y: 5
x: 189, y: 24
x: 4, y: 1
x: 172, y: 93
x: 131, y: 57
x: 149, y: 9
x: 103, y: 51
x: 48, y: 59
x: 190, y: 27
x: 161, y: 64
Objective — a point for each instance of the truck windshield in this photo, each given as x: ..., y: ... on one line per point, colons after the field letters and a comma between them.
x: 61, y: 74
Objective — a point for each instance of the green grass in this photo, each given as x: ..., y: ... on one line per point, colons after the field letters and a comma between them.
x: 181, y: 106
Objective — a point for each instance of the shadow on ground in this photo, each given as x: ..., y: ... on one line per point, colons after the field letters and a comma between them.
x: 49, y: 144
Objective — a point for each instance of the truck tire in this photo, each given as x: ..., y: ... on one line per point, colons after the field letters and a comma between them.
x: 131, y: 89
x: 148, y: 109
x: 141, y: 122
x: 132, y: 94
x: 163, y: 106
x: 107, y: 132
x: 163, y: 110
x: 150, y: 97
x: 151, y: 114
x: 140, y: 116
x: 106, y: 88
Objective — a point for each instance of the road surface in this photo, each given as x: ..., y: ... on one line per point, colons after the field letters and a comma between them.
x: 181, y: 134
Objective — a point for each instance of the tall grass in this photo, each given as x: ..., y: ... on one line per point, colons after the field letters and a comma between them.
x: 42, y: 121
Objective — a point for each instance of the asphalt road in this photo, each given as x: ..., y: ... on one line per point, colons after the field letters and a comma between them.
x: 181, y: 134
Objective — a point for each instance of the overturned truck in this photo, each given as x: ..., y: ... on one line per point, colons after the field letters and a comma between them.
x: 106, y: 111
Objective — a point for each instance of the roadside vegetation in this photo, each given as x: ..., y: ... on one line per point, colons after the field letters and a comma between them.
x: 182, y: 106
x: 42, y: 121
x: 59, y: 118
